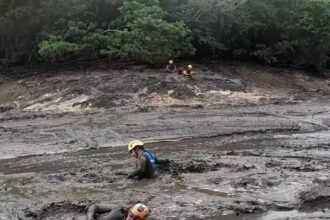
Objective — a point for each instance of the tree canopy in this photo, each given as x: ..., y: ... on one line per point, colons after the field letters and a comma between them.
x: 152, y: 31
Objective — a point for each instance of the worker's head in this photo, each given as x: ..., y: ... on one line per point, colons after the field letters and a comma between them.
x: 138, y: 212
x: 170, y: 62
x: 190, y: 66
x: 134, y: 146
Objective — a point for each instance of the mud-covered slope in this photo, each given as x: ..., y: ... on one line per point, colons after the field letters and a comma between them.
x: 138, y: 88
x: 241, y: 139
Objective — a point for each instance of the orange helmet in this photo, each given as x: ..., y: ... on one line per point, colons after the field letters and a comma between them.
x: 140, y: 211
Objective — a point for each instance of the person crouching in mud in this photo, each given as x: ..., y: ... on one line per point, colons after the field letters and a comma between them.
x: 147, y: 162
x: 188, y: 72
x: 110, y: 212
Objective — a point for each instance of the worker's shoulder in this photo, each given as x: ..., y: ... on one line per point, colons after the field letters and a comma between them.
x: 142, y: 157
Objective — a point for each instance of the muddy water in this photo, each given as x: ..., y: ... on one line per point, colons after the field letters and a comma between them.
x: 259, y: 162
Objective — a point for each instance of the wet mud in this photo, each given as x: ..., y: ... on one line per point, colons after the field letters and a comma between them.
x: 238, y: 147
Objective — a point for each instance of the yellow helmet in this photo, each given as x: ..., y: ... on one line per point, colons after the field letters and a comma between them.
x: 140, y: 211
x: 134, y: 144
x: 190, y: 66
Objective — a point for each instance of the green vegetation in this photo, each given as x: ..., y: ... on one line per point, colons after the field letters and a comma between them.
x: 295, y: 32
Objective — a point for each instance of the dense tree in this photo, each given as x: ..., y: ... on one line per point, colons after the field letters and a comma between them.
x: 24, y: 22
x: 314, y: 37
x: 273, y: 31
x: 78, y: 40
x: 147, y: 36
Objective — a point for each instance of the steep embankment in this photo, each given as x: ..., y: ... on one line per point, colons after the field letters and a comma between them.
x: 241, y: 139
x: 101, y: 107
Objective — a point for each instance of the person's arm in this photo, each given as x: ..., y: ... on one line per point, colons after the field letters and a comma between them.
x: 141, y: 169
x: 97, y: 209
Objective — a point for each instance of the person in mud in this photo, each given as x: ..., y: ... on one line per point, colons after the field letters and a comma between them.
x: 111, y: 212
x: 147, y: 162
x: 188, y: 72
x: 170, y: 67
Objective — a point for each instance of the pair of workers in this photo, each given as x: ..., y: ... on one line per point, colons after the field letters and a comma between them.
x: 147, y: 165
x: 171, y: 68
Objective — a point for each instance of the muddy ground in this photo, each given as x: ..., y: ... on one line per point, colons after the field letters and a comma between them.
x: 244, y: 142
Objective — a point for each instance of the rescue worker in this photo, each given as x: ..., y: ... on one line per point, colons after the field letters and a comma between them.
x: 188, y: 72
x: 171, y: 67
x: 111, y: 212
x: 147, y: 162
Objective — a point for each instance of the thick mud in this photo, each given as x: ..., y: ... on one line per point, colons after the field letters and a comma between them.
x: 239, y: 145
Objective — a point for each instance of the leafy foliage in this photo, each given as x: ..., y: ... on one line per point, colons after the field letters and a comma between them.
x: 77, y: 40
x: 314, y: 40
x: 147, y: 36
x: 23, y: 23
x: 272, y: 32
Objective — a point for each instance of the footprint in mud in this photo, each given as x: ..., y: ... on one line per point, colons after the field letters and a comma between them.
x: 215, y: 181
x: 109, y: 175
x: 269, y: 182
x: 317, y: 198
x: 273, y: 163
x: 200, y: 166
x: 55, y: 211
x: 98, y: 175
x: 194, y: 166
x: 245, y: 182
x: 90, y: 176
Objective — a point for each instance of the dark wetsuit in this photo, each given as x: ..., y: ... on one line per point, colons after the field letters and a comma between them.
x: 170, y: 68
x: 105, y: 212
x: 146, y: 168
